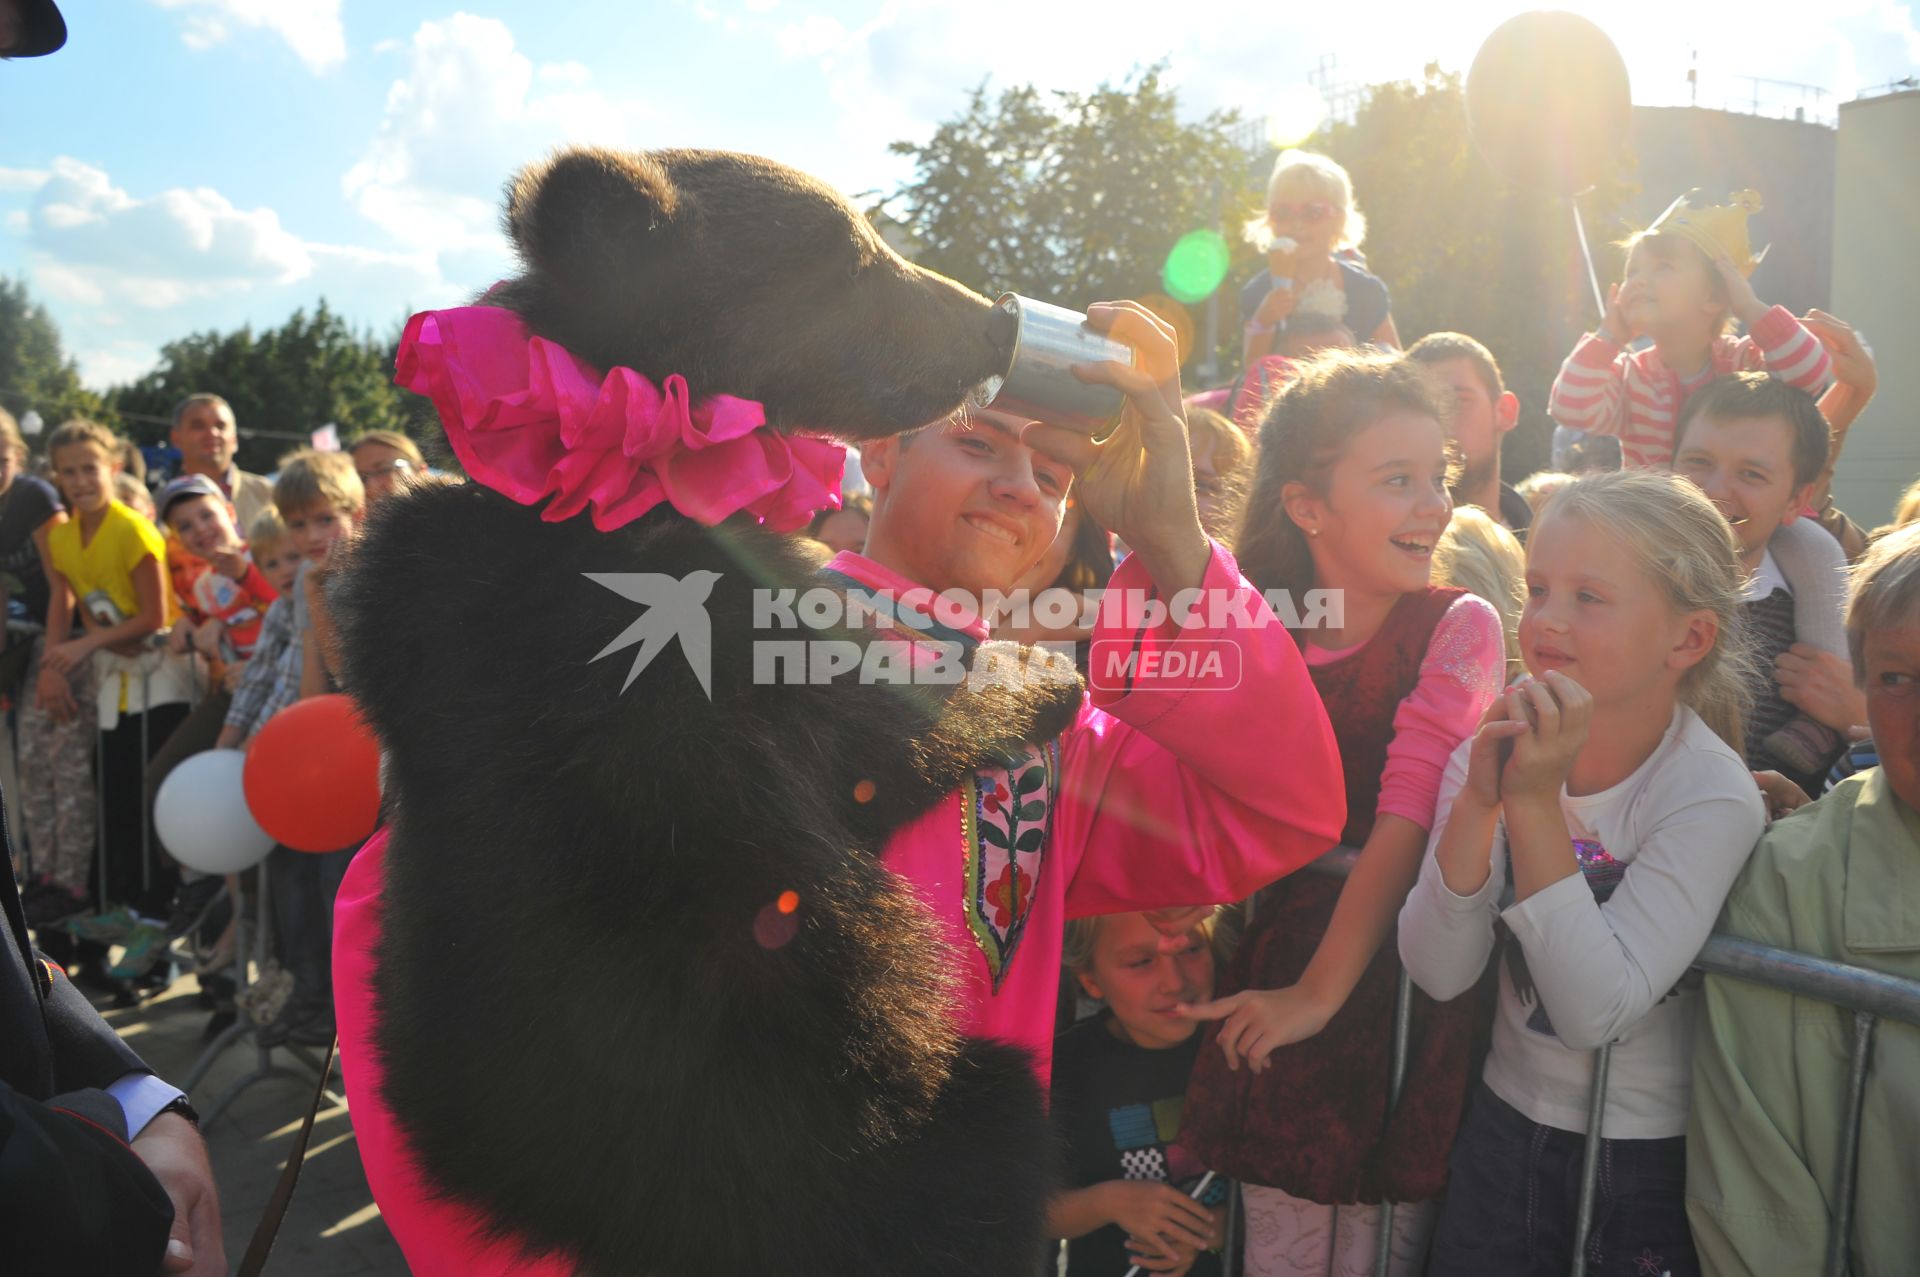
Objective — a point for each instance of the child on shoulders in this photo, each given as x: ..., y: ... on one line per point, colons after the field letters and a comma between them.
x: 1687, y: 282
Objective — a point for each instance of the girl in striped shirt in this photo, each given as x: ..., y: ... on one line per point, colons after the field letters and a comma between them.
x: 1686, y: 282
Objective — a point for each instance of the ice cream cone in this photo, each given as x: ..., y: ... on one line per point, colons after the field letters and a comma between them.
x: 1280, y: 257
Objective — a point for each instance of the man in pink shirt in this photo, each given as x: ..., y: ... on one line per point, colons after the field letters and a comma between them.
x: 1170, y: 792
x: 1201, y: 767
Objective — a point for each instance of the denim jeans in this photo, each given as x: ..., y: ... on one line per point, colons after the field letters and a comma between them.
x: 1513, y: 1200
x: 304, y: 885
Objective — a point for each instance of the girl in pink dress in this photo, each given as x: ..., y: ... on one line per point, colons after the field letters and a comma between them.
x: 1350, y: 495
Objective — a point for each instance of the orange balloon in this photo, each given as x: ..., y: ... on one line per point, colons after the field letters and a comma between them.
x: 313, y: 775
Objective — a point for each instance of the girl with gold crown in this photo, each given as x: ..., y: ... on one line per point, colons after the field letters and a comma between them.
x: 1686, y: 283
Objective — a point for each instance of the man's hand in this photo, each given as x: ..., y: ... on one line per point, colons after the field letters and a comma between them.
x: 1852, y: 362
x: 177, y: 1156
x: 1138, y: 482
x: 1820, y: 685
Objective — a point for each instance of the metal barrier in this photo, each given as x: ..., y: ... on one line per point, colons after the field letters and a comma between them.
x: 31, y: 630
x: 1870, y: 995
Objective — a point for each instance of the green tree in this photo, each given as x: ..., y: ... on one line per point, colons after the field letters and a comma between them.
x: 283, y: 383
x: 1068, y: 197
x: 36, y: 374
x: 1464, y: 250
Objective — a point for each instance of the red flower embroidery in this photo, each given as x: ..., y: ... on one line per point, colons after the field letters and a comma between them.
x: 1649, y: 1263
x: 1008, y: 894
x: 992, y: 802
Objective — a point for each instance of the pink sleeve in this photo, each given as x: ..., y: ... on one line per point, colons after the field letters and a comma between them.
x: 1784, y: 347
x: 1462, y: 673
x: 1591, y: 391
x: 1195, y: 788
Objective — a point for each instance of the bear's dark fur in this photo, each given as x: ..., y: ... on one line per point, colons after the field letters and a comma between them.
x: 583, y: 1035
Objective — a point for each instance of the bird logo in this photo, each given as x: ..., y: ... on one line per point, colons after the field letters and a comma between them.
x: 676, y: 608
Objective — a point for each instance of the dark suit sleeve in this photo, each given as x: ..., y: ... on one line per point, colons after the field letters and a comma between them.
x: 87, y: 1053
x: 74, y: 1198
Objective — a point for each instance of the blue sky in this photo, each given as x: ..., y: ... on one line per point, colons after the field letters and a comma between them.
x: 193, y: 164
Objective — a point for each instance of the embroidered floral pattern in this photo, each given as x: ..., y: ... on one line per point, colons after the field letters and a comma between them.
x: 995, y: 798
x: 1008, y: 895
x: 1006, y: 820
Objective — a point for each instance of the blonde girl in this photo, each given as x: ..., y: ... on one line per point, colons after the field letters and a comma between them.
x: 1309, y: 231
x: 1610, y: 783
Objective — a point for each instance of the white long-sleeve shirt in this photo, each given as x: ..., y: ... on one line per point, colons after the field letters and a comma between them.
x: 1673, y: 836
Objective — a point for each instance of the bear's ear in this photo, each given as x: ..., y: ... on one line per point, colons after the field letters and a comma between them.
x: 584, y: 213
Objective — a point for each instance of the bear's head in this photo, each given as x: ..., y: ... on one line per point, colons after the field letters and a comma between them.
x: 747, y: 278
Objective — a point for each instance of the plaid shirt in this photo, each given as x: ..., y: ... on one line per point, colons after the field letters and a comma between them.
x: 271, y: 681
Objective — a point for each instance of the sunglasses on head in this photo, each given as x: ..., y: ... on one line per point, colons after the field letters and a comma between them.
x: 1311, y: 211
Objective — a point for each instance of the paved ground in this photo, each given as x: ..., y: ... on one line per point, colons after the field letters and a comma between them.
x: 333, y: 1228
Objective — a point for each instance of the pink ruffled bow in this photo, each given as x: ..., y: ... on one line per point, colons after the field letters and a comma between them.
x: 531, y: 421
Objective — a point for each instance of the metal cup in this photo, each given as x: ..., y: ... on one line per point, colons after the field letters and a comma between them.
x: 1039, y: 384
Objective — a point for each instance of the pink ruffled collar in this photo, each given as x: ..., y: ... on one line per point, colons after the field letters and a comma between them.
x: 531, y: 421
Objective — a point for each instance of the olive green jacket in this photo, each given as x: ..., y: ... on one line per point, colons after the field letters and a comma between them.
x: 1839, y: 879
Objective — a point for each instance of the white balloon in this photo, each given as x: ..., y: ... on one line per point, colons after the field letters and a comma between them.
x: 201, y: 815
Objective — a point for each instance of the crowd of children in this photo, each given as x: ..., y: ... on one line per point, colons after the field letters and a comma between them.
x: 1558, y: 755
x: 141, y: 635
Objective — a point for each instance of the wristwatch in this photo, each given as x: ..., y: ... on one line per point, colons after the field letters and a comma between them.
x: 184, y: 1109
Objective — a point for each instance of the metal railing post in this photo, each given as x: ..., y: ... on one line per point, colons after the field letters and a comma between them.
x: 99, y: 803
x: 1590, y: 1157
x: 146, y: 814
x: 1402, y: 1031
x: 1840, y: 1238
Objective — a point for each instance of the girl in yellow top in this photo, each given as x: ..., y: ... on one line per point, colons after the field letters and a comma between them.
x: 107, y: 559
x: 109, y: 563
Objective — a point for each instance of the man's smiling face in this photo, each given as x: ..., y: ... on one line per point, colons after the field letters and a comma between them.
x: 963, y: 505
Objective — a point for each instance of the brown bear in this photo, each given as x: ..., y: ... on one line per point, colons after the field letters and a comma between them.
x: 584, y: 1038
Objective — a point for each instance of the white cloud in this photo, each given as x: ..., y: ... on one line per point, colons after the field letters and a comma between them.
x: 311, y: 28
x: 22, y: 179
x: 814, y: 35
x: 129, y: 273
x: 467, y: 113
x: 573, y: 73
x: 153, y: 251
x: 117, y: 363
